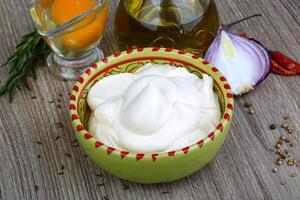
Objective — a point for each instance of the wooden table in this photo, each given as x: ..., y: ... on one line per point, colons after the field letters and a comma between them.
x: 32, y: 157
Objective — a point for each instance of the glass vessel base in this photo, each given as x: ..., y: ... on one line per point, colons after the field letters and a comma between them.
x: 71, y: 69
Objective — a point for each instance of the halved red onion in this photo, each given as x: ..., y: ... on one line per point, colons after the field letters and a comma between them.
x: 244, y: 62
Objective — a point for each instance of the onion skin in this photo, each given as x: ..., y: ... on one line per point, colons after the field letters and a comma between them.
x: 244, y: 62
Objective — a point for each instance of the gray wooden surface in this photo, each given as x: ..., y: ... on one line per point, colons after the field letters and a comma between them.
x: 242, y: 169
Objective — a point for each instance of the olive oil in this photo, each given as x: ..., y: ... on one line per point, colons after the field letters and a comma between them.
x: 180, y: 24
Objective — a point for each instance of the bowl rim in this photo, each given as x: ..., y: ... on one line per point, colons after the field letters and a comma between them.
x: 85, y: 79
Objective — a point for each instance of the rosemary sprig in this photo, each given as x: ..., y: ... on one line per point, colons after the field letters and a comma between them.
x: 29, y: 53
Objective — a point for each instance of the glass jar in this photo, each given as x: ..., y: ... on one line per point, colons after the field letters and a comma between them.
x: 181, y: 24
x: 73, y: 30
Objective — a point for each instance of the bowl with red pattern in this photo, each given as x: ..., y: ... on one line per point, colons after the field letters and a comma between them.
x: 149, y: 167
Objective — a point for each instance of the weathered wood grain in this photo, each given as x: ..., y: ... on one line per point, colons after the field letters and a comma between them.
x: 242, y: 169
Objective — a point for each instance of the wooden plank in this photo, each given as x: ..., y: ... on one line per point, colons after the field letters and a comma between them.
x: 242, y: 169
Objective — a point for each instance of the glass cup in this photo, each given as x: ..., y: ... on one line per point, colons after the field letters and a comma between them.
x: 73, y: 29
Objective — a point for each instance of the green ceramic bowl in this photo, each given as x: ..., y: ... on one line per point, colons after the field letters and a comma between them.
x: 149, y: 167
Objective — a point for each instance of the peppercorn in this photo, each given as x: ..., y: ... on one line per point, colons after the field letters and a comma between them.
x: 279, y: 161
x: 280, y: 142
x: 290, y: 130
x: 274, y: 170
x: 283, y: 183
x: 277, y: 151
x: 272, y: 126
x: 286, y: 117
x: 248, y: 105
x: 251, y: 112
x: 293, y: 175
x: 277, y: 146
x: 288, y: 140
x: 290, y: 162
x: 282, y: 138
x: 283, y: 156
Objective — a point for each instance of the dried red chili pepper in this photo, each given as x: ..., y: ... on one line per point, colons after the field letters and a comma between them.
x: 244, y: 35
x: 281, y: 70
x: 285, y: 61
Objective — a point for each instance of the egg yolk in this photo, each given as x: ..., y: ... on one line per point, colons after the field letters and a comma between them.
x: 63, y: 11
x: 88, y: 30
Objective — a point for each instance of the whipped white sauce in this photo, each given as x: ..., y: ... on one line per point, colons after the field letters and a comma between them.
x: 159, y: 108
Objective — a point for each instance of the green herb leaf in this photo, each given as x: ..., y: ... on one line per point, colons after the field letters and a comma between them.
x: 29, y: 53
